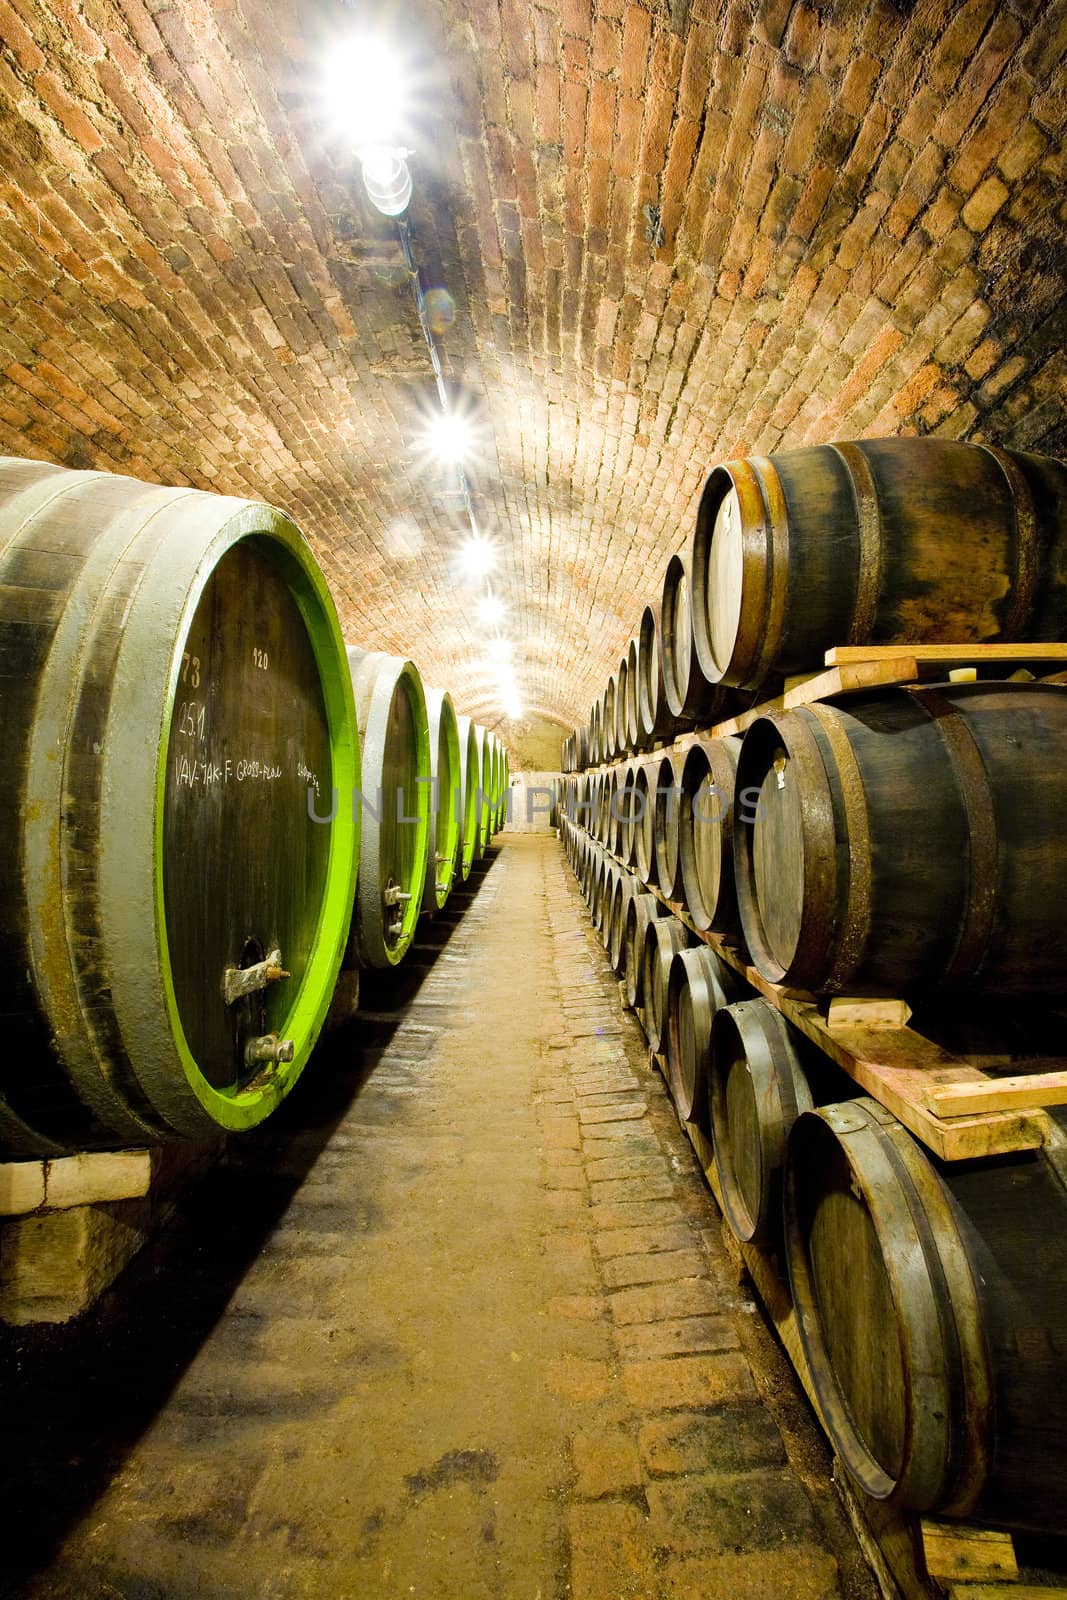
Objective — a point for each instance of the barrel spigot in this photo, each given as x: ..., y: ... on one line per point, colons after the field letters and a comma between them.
x: 394, y: 896
x: 269, y: 1050
x: 240, y: 981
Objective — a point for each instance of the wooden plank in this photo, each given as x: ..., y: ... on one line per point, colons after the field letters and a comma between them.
x: 955, y: 1551
x: 942, y: 654
x: 93, y: 1177
x: 844, y: 1012
x: 999, y: 1094
x: 1005, y: 1591
x: 847, y: 679
x: 90, y: 1177
x: 21, y: 1187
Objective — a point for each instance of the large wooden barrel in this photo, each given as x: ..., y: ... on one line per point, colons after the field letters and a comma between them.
x: 626, y: 888
x: 665, y: 825
x: 594, y: 734
x: 604, y: 891
x: 446, y: 799
x: 627, y: 805
x: 176, y: 803
x: 691, y: 699
x: 395, y: 749
x: 663, y: 939
x: 608, y: 742
x: 699, y: 984
x: 880, y: 541
x: 644, y: 821
x: 705, y: 833
x: 485, y: 788
x: 626, y: 721
x: 641, y: 909
x: 908, y: 838
x: 757, y: 1087
x: 931, y: 1302
x: 653, y: 713
x: 470, y: 776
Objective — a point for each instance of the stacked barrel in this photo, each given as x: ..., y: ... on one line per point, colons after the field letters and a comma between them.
x: 903, y: 842
x: 208, y: 807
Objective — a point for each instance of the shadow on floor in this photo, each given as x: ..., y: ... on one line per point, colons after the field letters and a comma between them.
x: 75, y: 1400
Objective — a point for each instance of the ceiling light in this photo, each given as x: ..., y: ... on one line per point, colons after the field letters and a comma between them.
x: 450, y: 437
x: 365, y: 89
x: 387, y: 179
x: 477, y: 556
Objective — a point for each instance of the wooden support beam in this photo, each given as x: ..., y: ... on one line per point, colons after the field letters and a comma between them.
x: 943, y: 654
x: 955, y: 1552
x: 89, y: 1178
x: 845, y: 1012
x: 897, y: 667
x: 998, y: 1094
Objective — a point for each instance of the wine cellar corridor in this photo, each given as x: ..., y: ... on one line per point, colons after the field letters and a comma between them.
x: 533, y: 820
x: 367, y: 1366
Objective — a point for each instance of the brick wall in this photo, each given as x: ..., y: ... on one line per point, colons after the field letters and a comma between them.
x: 672, y: 233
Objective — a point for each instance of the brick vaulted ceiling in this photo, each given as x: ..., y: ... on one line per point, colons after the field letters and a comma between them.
x: 673, y: 232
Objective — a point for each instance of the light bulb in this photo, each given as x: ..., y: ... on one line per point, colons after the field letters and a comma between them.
x: 477, y: 556
x: 450, y: 437
x: 386, y: 179
x: 365, y: 89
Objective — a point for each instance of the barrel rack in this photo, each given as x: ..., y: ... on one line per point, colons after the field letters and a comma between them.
x: 949, y: 1102
x: 955, y: 1108
x: 913, y: 1558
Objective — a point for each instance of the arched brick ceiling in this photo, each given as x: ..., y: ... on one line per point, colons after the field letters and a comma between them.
x: 673, y: 232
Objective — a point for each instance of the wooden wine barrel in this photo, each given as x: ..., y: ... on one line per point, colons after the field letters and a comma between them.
x: 644, y: 821
x: 505, y: 790
x: 627, y: 806
x: 879, y: 541
x: 395, y: 752
x: 931, y: 1302
x: 663, y: 939
x: 691, y: 699
x: 665, y: 825
x: 640, y: 911
x: 626, y: 724
x: 468, y: 795
x: 626, y: 888
x: 907, y: 838
x: 177, y: 807
x: 699, y: 984
x: 485, y: 788
x: 653, y: 713
x: 446, y: 799
x: 705, y: 833
x: 612, y: 812
x: 604, y: 888
x: 608, y: 746
x: 757, y: 1088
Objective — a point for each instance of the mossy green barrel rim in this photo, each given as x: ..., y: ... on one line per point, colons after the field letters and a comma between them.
x: 470, y: 774
x: 446, y: 799
x: 395, y: 802
x: 178, y: 717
